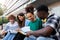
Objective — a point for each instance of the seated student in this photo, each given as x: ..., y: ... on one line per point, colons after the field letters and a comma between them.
x: 35, y: 24
x: 22, y: 22
x: 10, y: 28
x: 49, y: 30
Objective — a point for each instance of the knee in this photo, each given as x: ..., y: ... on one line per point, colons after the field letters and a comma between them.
x: 41, y: 38
x: 25, y: 38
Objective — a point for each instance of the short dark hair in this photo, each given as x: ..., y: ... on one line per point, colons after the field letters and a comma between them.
x: 42, y: 8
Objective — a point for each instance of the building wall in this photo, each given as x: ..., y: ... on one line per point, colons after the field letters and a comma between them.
x: 55, y: 8
x: 17, y: 7
x: 13, y: 5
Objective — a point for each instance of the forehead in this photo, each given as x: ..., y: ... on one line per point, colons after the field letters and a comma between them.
x: 29, y: 14
x: 41, y: 13
x: 20, y: 16
x: 11, y: 19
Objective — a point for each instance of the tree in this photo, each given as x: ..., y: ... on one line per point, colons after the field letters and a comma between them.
x: 1, y: 11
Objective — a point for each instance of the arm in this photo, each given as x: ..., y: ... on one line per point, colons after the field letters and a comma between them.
x: 43, y: 32
x: 4, y: 31
x: 47, y: 30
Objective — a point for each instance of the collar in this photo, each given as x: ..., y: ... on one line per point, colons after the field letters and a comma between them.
x: 50, y: 15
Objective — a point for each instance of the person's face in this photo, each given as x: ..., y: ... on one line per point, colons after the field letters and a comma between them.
x: 42, y: 14
x: 21, y: 18
x: 11, y: 20
x: 30, y: 16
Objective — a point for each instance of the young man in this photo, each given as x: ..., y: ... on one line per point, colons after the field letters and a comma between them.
x: 49, y: 30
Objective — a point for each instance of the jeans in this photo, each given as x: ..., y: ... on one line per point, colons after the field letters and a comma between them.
x: 30, y: 38
x: 37, y: 38
x: 44, y: 38
x: 9, y: 36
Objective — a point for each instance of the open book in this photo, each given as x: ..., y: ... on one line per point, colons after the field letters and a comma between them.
x: 24, y: 30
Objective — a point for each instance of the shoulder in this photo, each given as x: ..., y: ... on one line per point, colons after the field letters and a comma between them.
x: 16, y: 23
x: 53, y: 19
x: 54, y: 16
x: 39, y: 20
x: 27, y: 21
x: 8, y: 23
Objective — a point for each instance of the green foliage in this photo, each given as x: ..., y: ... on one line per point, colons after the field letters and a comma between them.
x: 0, y: 21
x: 5, y: 20
x: 1, y: 11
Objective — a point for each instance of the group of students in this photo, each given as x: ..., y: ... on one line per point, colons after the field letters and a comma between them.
x: 39, y: 30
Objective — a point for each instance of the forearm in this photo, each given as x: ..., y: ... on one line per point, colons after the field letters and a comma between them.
x: 43, y: 32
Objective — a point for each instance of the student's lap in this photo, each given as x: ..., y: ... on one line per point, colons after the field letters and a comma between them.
x: 19, y: 36
x: 37, y: 38
x: 9, y: 36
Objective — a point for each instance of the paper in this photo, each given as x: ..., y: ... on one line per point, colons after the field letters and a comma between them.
x: 24, y: 30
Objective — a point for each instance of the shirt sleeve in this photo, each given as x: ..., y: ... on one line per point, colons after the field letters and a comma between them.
x: 6, y: 28
x: 27, y: 22
x: 52, y: 23
x: 40, y: 23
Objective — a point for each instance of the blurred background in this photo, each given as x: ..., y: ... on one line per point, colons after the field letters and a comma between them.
x: 8, y: 7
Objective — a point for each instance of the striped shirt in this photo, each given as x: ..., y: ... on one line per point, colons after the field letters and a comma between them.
x: 53, y: 21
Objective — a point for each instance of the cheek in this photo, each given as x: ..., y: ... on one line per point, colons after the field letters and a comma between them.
x: 30, y: 18
x: 22, y: 18
x: 19, y: 18
x: 38, y: 15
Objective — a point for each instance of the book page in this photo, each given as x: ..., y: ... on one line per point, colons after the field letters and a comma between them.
x: 24, y: 30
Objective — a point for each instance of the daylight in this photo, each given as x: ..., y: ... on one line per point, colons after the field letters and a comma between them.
x: 29, y: 19
x: 2, y: 1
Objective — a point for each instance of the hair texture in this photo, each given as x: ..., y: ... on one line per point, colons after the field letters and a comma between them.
x: 21, y: 23
x: 29, y: 9
x: 42, y: 8
x: 11, y: 17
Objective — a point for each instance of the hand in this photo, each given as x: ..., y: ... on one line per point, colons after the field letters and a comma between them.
x: 3, y: 33
x: 29, y: 33
x: 18, y: 29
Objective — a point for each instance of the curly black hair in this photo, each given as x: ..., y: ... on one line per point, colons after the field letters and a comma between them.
x: 29, y: 9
